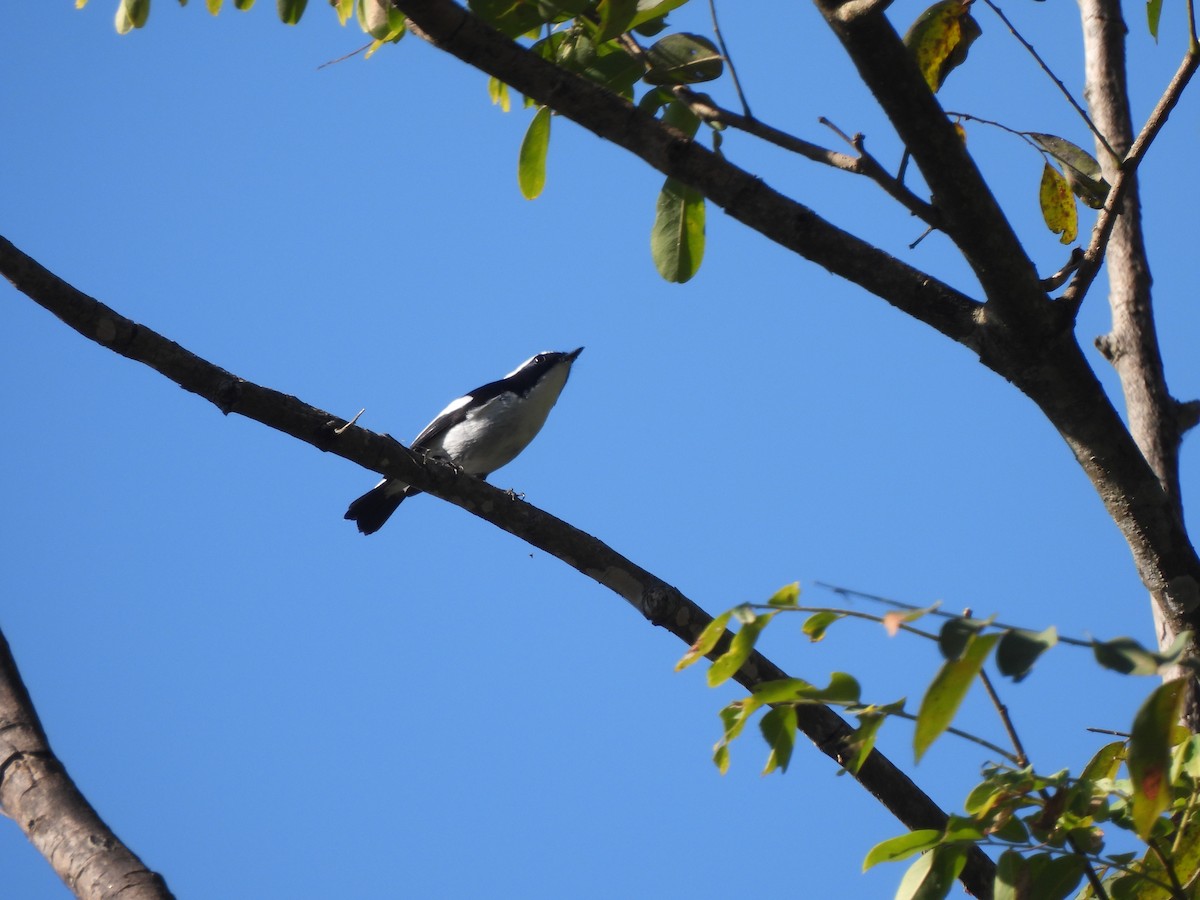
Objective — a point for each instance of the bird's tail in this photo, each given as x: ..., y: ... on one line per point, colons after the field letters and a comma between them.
x: 375, y: 507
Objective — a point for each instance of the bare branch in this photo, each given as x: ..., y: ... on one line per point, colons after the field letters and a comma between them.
x: 862, y: 164
x: 1057, y: 81
x: 733, y: 76
x: 1124, y: 178
x: 39, y: 795
x: 659, y: 602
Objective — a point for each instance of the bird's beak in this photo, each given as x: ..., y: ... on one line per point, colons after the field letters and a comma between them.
x: 574, y: 354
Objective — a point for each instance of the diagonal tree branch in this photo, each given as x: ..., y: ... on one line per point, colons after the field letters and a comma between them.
x: 973, y: 217
x: 1019, y: 334
x: 39, y: 795
x: 743, y: 196
x: 659, y: 602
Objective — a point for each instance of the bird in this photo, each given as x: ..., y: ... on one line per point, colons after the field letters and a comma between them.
x: 479, y: 432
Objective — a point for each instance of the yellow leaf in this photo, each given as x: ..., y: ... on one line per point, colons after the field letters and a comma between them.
x: 940, y: 38
x: 1058, y: 204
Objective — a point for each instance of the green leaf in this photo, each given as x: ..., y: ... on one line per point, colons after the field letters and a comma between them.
x: 290, y: 11
x: 616, y: 17
x: 648, y: 10
x: 842, y: 688
x: 902, y: 847
x: 1101, y: 768
x: 380, y: 20
x: 683, y: 59
x: 1186, y: 760
x: 344, y: 9
x: 957, y: 633
x: 706, y: 641
x: 1104, y: 763
x: 947, y: 690
x: 816, y: 624
x: 498, y: 94
x: 1080, y: 168
x: 787, y: 596
x: 678, y: 115
x: 740, y: 648
x: 1149, y: 757
x: 531, y: 166
x: 940, y: 38
x: 860, y: 744
x: 1020, y: 649
x: 721, y: 757
x: 1012, y: 877
x: 677, y: 239
x: 132, y: 14
x: 1053, y: 877
x: 1058, y: 205
x: 214, y: 6
x: 242, y: 5
x: 512, y: 17
x: 1153, y: 12
x: 733, y: 720
x: 1127, y: 656
x: 779, y: 728
x: 933, y: 875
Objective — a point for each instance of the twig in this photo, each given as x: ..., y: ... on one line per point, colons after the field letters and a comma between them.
x: 737, y: 84
x: 1005, y: 718
x: 1062, y: 87
x: 1059, y: 278
x: 342, y: 430
x: 1023, y: 760
x: 966, y: 736
x: 1165, y: 861
x: 1090, y: 267
x: 848, y: 613
x: 899, y: 604
x: 863, y: 164
x: 350, y: 55
x: 920, y: 237
x: 1121, y: 734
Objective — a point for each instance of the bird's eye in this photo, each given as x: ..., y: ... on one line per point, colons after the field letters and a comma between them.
x: 539, y: 358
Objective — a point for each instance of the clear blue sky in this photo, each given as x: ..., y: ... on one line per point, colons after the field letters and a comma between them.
x: 265, y: 704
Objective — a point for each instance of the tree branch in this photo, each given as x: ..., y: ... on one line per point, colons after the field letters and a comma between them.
x: 659, y: 602
x: 973, y: 218
x: 862, y: 164
x: 39, y: 795
x: 743, y: 196
x: 1019, y: 334
x: 1132, y: 345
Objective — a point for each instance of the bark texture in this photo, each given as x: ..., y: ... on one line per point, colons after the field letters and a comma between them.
x: 1156, y: 420
x: 39, y: 795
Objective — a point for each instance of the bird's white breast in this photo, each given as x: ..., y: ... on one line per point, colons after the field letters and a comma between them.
x: 492, y: 435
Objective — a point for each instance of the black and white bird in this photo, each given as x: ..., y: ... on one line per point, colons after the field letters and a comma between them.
x: 479, y: 432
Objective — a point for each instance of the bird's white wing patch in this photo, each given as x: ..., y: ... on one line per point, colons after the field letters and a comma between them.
x: 453, y: 405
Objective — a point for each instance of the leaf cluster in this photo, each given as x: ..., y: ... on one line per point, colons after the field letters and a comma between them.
x: 1050, y: 829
